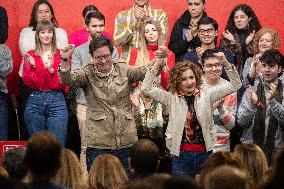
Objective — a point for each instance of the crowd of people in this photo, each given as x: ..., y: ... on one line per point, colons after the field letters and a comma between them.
x: 147, y: 114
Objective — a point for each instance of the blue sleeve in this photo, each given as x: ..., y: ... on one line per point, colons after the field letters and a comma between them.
x: 191, y: 56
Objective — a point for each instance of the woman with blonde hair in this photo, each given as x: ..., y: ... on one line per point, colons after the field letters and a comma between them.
x: 150, y: 114
x: 254, y: 159
x: 265, y: 39
x: 70, y: 173
x: 46, y: 108
x: 106, y: 172
x: 150, y: 40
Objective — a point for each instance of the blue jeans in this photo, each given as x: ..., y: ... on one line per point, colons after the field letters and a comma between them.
x: 121, y: 154
x: 3, y: 117
x: 189, y: 163
x: 47, y: 111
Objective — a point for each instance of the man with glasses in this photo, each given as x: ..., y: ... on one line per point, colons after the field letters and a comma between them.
x: 207, y: 33
x: 110, y: 126
x: 95, y: 25
x: 261, y: 111
x: 184, y: 33
x: 225, y: 109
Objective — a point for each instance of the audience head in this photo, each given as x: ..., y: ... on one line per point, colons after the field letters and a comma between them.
x: 185, y: 77
x: 180, y: 182
x: 88, y: 9
x: 196, y: 8
x: 254, y: 159
x: 101, y: 50
x: 106, y: 172
x: 70, y: 173
x: 227, y: 177
x: 42, y: 10
x: 277, y: 177
x: 266, y: 39
x: 45, y: 36
x: 13, y: 163
x: 8, y: 183
x: 218, y: 159
x: 271, y: 65
x: 207, y: 30
x: 144, y: 157
x: 95, y: 24
x: 242, y: 17
x: 42, y: 156
x: 157, y: 180
x: 154, y: 181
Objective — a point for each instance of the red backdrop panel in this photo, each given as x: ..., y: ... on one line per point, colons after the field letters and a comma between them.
x: 68, y: 14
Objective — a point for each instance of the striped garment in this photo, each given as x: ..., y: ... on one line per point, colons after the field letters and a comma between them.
x: 126, y: 34
x: 224, y: 118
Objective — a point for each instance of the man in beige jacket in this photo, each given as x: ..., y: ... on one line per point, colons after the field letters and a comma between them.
x: 110, y: 126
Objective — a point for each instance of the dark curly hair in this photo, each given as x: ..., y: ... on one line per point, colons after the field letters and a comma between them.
x: 253, y: 22
x: 176, y: 73
x: 271, y: 57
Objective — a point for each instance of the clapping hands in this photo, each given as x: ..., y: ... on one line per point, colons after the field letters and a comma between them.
x: 229, y: 36
x: 30, y: 60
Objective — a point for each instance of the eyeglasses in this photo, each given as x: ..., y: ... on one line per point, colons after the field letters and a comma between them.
x: 202, y: 32
x: 211, y: 66
x: 47, y: 11
x: 105, y: 57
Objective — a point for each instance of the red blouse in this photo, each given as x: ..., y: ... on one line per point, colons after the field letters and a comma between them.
x: 39, y: 78
x: 165, y: 73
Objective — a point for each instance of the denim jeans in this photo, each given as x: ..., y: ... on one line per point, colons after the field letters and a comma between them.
x: 189, y: 163
x: 3, y: 117
x: 47, y: 111
x: 121, y: 154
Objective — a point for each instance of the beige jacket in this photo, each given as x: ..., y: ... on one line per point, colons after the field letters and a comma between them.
x: 178, y: 109
x: 109, y: 122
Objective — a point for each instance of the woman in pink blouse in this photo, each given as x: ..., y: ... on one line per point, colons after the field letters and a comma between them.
x: 46, y: 107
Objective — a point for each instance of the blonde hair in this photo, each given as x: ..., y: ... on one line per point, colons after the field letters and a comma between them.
x: 254, y: 159
x: 143, y: 55
x: 227, y: 176
x: 106, y: 172
x: 3, y: 172
x: 44, y: 25
x: 261, y: 32
x: 70, y: 173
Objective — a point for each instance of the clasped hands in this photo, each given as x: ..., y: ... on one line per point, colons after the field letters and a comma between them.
x: 160, y: 58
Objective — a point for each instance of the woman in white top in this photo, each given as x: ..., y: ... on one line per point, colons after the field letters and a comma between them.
x: 42, y: 10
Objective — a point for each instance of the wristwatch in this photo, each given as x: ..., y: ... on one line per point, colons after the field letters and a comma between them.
x: 64, y: 59
x: 64, y: 70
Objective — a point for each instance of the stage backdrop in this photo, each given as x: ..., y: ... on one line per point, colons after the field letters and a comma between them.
x: 68, y: 14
